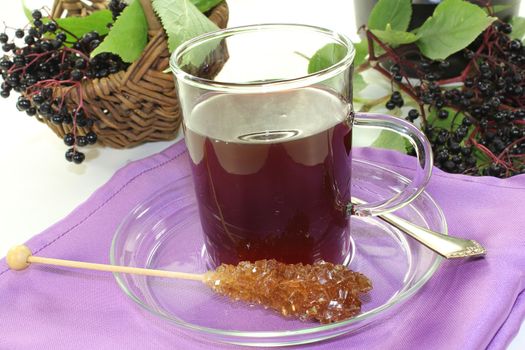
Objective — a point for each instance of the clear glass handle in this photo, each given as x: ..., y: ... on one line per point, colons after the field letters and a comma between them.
x: 424, y: 164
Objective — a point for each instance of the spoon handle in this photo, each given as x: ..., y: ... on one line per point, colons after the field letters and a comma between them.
x: 447, y: 246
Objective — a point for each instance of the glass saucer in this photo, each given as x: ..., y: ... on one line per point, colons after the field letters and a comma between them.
x: 164, y: 232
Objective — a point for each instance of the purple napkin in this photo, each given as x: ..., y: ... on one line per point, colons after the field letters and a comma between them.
x: 466, y: 305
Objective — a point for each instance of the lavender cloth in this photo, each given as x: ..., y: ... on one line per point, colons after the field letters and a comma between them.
x: 466, y: 305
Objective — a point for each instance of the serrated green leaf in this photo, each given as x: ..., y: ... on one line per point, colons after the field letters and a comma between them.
x: 182, y: 21
x: 97, y: 21
x: 452, y: 27
x: 326, y: 57
x: 358, y: 82
x: 361, y: 53
x: 518, y: 28
x: 451, y: 123
x: 397, y: 13
x: 394, y: 38
x: 481, y: 158
x: 391, y: 140
x: 76, y: 26
x: 128, y: 36
x: 205, y: 5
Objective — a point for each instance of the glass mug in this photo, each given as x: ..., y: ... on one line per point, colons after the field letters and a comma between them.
x: 270, y: 145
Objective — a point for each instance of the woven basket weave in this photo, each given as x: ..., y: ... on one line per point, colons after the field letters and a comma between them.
x: 133, y: 106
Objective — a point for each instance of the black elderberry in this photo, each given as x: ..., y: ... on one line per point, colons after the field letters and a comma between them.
x: 81, y: 141
x: 495, y: 169
x: 80, y: 63
x: 33, y: 32
x: 442, y: 156
x: 3, y: 38
x: 506, y: 28
x: 431, y: 77
x: 29, y: 40
x: 390, y: 105
x: 67, y: 119
x: 398, y: 77
x: 19, y: 60
x: 470, y: 161
x: 61, y: 37
x: 449, y: 166
x: 50, y: 27
x: 444, y: 64
x: 4, y: 93
x: 19, y: 33
x: 498, y: 145
x: 454, y: 147
x: 36, y: 14
x: 5, y: 63
x: 466, y: 122
x: 76, y: 74
x: 56, y: 118
x: 443, y: 114
x: 456, y: 158
x: 8, y: 47
x: 78, y: 157
x: 425, y: 65
x: 69, y: 154
x: 69, y: 139
x: 466, y: 151
x: 91, y: 137
x: 413, y: 114
x: 23, y: 104
x: 81, y: 121
x: 94, y: 44
x: 468, y: 54
x: 31, y: 111
x: 395, y: 69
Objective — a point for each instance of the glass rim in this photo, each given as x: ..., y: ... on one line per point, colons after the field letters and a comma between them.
x: 270, y: 86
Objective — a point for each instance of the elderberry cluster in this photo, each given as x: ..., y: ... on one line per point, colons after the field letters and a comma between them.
x: 116, y: 7
x: 485, y: 110
x: 44, y: 63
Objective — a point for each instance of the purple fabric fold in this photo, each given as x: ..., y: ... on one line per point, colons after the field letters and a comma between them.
x: 474, y: 304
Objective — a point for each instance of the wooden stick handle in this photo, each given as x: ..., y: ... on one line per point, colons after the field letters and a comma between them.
x: 19, y: 257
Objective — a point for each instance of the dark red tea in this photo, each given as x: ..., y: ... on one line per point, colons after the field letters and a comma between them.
x: 272, y: 175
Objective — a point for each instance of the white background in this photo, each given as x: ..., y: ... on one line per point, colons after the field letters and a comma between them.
x: 38, y: 187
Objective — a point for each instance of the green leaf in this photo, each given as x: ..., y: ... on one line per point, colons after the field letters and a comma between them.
x: 397, y: 13
x: 358, y: 82
x: 78, y: 26
x: 481, y: 158
x: 129, y: 34
x: 326, y: 57
x: 501, y: 8
x: 182, y: 21
x: 361, y: 52
x: 451, y: 123
x: 205, y: 5
x: 27, y: 11
x: 452, y: 27
x: 391, y: 140
x: 395, y: 38
x: 518, y: 28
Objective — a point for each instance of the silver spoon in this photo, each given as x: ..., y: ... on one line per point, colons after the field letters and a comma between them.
x: 447, y: 246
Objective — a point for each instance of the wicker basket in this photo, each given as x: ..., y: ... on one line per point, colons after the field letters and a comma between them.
x: 133, y: 106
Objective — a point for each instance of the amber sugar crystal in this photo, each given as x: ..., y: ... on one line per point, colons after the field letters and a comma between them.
x: 323, y: 291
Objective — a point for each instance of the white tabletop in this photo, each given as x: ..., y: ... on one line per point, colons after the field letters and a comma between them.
x: 39, y: 187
